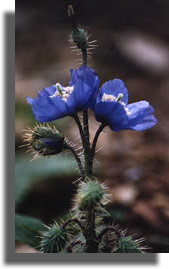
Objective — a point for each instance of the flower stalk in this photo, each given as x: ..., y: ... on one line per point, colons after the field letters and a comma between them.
x: 80, y: 39
x: 77, y: 158
x: 87, y: 151
x: 90, y: 233
x: 93, y: 148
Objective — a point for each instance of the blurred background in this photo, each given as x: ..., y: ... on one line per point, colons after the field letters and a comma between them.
x: 133, y: 44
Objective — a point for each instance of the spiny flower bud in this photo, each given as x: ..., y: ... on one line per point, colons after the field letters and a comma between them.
x: 79, y: 35
x: 128, y: 245
x: 53, y: 240
x: 80, y: 38
x: 44, y: 140
x: 90, y: 194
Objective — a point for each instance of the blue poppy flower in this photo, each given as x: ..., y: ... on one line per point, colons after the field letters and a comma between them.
x: 56, y: 101
x: 112, y: 109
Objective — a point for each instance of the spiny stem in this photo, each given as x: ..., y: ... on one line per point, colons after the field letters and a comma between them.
x: 81, y: 168
x: 81, y: 41
x: 76, y: 118
x: 84, y: 56
x: 100, y: 129
x: 87, y: 152
x: 90, y: 233
x: 66, y: 223
x: 86, y: 125
x: 86, y: 128
x: 84, y: 133
x: 108, y: 229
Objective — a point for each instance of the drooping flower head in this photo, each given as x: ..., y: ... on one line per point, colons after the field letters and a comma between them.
x: 112, y: 109
x: 56, y: 101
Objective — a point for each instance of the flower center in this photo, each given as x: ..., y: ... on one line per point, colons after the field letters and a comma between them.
x: 108, y: 98
x: 63, y: 92
x: 112, y: 98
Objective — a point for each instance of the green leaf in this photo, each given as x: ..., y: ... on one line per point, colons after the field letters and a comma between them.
x: 27, y: 230
x: 28, y: 173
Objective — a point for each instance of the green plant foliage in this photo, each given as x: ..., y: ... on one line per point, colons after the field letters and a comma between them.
x: 27, y: 230
x: 128, y: 245
x: 53, y: 240
x: 28, y: 172
x: 89, y: 195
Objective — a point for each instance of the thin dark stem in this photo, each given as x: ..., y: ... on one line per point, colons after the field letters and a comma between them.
x: 84, y: 133
x: 84, y: 56
x: 81, y: 168
x: 76, y: 118
x: 86, y: 128
x: 100, y: 129
x: 90, y: 233
x: 107, y: 229
x: 87, y: 152
x: 86, y: 125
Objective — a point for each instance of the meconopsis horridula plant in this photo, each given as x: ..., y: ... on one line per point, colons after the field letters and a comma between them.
x: 85, y: 230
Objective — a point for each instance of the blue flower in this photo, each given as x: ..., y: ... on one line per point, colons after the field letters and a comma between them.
x: 56, y: 101
x: 112, y: 109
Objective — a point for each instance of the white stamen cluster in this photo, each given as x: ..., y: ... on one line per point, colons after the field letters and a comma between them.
x: 112, y: 98
x: 108, y: 97
x: 63, y: 92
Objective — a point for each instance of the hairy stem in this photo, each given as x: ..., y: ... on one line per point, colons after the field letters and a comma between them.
x: 84, y: 56
x: 86, y: 128
x: 66, y: 223
x: 87, y: 152
x: 76, y: 118
x: 90, y: 233
x: 93, y: 148
x: 100, y: 129
x: 84, y: 133
x: 81, y: 168
x: 108, y: 229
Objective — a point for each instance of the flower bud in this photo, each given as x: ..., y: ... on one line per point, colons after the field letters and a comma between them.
x: 44, y: 140
x: 53, y: 240
x: 80, y: 38
x: 90, y: 194
x: 127, y: 245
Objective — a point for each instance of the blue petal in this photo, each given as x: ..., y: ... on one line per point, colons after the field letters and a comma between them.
x: 85, y: 83
x: 148, y: 122
x: 29, y: 100
x: 45, y: 108
x: 138, y: 111
x: 50, y: 90
x: 114, y: 87
x: 111, y: 113
x: 114, y: 114
x: 79, y: 73
x: 140, y: 117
